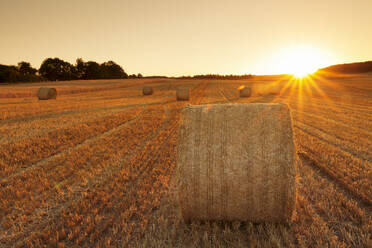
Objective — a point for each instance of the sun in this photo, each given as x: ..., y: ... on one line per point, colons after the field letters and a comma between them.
x: 300, y: 61
x: 303, y: 61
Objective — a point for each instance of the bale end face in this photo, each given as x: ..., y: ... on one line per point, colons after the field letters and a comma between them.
x: 183, y: 94
x: 45, y: 93
x: 147, y: 90
x: 236, y: 162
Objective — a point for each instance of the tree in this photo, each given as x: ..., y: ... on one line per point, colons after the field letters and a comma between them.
x: 57, y: 69
x: 9, y: 74
x: 80, y: 68
x: 139, y: 75
x: 92, y: 70
x: 21, y: 73
x: 112, y: 70
x: 24, y: 68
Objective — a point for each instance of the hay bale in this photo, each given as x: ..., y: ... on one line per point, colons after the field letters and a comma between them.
x: 45, y: 93
x: 147, y: 90
x: 236, y: 162
x: 183, y: 94
x: 244, y: 91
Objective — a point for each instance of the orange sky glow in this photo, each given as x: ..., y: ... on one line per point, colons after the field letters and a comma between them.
x: 175, y: 38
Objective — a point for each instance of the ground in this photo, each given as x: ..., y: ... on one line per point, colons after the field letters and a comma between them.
x: 94, y: 167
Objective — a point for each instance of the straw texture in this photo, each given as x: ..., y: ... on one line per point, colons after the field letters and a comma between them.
x: 147, y: 90
x: 236, y: 162
x: 45, y: 93
x: 183, y: 94
x: 244, y: 91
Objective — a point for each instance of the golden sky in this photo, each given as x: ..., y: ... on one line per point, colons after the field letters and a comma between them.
x: 174, y: 37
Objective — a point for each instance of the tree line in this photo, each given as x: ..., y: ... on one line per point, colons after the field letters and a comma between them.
x: 53, y: 69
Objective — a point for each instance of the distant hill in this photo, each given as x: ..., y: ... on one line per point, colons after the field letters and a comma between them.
x: 351, y: 68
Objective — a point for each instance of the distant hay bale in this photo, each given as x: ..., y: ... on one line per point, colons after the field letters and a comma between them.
x: 244, y: 91
x: 236, y: 162
x: 183, y: 94
x: 147, y: 90
x: 45, y: 93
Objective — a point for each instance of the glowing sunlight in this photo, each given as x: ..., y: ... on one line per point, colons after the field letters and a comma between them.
x: 300, y: 61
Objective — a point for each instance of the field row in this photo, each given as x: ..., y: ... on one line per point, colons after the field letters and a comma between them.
x: 326, y: 214
x: 336, y: 137
x: 104, y: 179
x: 70, y: 180
x: 17, y: 155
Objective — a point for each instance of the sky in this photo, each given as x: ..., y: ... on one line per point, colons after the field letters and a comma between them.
x: 175, y: 38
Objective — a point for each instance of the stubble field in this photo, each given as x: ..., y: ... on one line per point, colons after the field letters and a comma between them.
x: 93, y: 168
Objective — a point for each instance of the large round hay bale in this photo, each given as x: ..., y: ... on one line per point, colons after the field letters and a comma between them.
x: 244, y: 91
x: 147, y: 90
x: 45, y: 93
x: 236, y: 162
x: 183, y: 94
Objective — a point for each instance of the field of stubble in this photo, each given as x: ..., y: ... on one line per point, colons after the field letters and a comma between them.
x: 94, y: 167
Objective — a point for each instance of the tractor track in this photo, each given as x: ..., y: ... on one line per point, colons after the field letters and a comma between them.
x: 88, y: 141
x: 79, y: 190
x: 96, y: 181
x: 321, y: 205
x: 362, y: 199
x: 359, y: 155
x: 55, y: 135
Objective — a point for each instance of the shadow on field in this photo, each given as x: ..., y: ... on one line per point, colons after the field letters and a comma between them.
x: 167, y: 229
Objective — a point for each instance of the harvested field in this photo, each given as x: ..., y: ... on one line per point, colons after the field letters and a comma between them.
x: 183, y: 94
x: 95, y: 166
